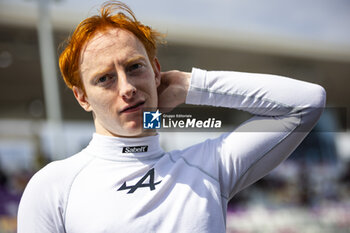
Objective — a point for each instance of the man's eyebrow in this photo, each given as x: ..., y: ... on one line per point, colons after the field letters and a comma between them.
x: 106, y: 69
x: 102, y: 71
x: 135, y: 58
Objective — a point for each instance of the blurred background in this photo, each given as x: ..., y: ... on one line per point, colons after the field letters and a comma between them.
x: 40, y: 121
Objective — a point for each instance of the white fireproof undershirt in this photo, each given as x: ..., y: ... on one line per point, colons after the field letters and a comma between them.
x: 102, y: 189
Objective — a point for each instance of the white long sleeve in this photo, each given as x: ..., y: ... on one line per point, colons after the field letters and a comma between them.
x: 285, y: 109
x: 106, y: 189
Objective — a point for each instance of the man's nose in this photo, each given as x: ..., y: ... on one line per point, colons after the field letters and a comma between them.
x: 126, y: 89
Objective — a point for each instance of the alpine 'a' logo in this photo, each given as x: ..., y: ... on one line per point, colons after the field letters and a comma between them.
x: 135, y: 149
x: 140, y: 184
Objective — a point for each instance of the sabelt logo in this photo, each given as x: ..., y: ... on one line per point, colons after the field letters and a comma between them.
x: 135, y: 149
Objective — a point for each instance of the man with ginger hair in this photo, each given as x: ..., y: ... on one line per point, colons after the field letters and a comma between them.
x: 123, y: 181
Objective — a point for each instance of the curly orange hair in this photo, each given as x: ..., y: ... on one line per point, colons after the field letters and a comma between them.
x: 70, y: 57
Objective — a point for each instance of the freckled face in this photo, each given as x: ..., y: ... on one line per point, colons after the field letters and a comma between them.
x: 119, y: 81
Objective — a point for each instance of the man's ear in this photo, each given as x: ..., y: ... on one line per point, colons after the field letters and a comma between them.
x: 156, y: 68
x: 81, y: 98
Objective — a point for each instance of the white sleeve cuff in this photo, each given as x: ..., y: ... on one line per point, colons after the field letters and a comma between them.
x: 195, y: 94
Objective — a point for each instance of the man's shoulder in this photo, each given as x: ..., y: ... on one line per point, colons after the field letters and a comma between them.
x: 45, y: 196
x: 205, y: 147
x: 60, y: 172
x: 203, y: 154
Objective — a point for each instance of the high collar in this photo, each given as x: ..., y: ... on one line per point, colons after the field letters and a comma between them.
x: 118, y: 148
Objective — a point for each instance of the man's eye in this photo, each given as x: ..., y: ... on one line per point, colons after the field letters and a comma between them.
x: 135, y: 67
x: 104, y: 79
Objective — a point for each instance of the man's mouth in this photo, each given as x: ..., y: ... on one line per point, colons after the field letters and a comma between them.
x: 133, y: 108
